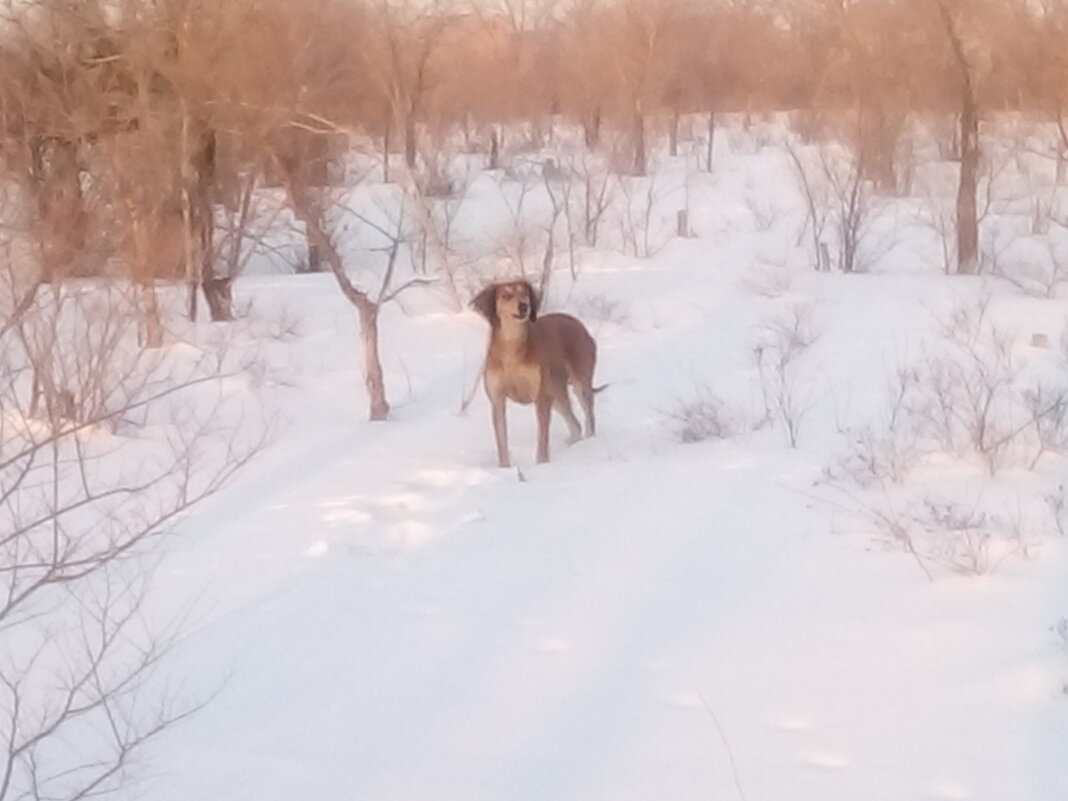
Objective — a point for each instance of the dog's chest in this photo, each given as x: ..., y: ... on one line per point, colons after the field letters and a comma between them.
x: 516, y: 379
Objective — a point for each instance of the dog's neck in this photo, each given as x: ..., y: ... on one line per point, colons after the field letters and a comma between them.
x: 513, y: 333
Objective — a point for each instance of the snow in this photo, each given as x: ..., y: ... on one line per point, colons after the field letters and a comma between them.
x: 384, y: 614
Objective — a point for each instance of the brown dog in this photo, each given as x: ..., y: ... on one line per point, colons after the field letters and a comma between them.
x: 533, y: 359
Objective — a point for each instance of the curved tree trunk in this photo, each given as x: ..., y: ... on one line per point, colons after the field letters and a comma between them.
x: 373, y: 375
x: 306, y: 210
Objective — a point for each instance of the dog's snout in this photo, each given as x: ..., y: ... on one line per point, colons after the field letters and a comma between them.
x: 524, y: 308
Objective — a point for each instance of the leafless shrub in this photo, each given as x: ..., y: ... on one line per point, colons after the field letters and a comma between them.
x: 282, y: 323
x: 1047, y: 409
x: 970, y: 397
x: 433, y: 177
x: 839, y: 200
x: 700, y: 417
x: 77, y: 345
x: 1040, y: 272
x: 783, y: 344
x: 597, y: 193
x: 84, y: 503
x: 537, y: 238
x: 938, y: 214
x: 876, y: 458
x: 961, y: 538
x: 436, y: 246
x: 639, y: 215
x: 560, y: 234
x: 1057, y: 502
x: 766, y: 212
x: 964, y: 539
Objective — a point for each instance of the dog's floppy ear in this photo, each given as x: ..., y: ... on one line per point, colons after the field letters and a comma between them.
x: 533, y: 301
x: 485, y: 303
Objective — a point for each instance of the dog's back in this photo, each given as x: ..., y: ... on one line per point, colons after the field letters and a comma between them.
x: 570, y: 342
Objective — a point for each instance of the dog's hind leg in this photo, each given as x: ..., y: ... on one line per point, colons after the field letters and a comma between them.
x: 562, y: 404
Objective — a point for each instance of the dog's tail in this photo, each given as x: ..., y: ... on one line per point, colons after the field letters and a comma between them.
x: 601, y: 388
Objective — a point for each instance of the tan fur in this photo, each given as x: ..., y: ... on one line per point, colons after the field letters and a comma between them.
x: 534, y: 359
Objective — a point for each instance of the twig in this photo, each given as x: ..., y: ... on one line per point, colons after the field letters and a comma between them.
x: 726, y: 746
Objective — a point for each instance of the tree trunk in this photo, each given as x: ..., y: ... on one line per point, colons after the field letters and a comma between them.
x: 152, y: 320
x: 638, y: 135
x: 967, y: 205
x: 1062, y: 151
x: 187, y: 189
x: 60, y: 206
x: 216, y: 289
x: 373, y: 376
x: 682, y: 224
x: 592, y: 129
x: 711, y: 137
x: 495, y: 149
x: 315, y: 260
x: 411, y: 149
x: 387, y: 143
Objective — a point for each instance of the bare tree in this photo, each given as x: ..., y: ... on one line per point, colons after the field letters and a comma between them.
x: 83, y: 509
x: 319, y: 211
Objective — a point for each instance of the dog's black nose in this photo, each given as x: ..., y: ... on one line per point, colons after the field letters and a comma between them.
x: 523, y: 309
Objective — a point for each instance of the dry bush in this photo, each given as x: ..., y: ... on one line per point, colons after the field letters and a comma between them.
x: 123, y: 443
x: 779, y: 360
x: 1037, y: 265
x: 1057, y: 502
x: 640, y: 220
x: 966, y: 540
x: 840, y: 204
x: 596, y: 195
x: 969, y: 396
x: 702, y: 416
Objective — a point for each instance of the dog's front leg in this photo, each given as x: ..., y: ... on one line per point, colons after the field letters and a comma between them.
x: 500, y: 430
x: 544, y: 406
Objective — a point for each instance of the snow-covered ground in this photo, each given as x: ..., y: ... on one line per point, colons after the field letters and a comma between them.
x: 384, y: 614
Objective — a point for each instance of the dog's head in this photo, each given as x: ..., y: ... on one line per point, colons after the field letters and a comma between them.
x: 513, y: 300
